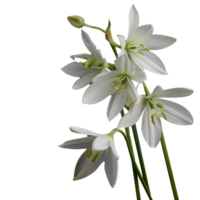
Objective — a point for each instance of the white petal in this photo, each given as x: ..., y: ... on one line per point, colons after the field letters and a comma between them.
x: 76, y: 69
x: 81, y: 143
x: 176, y: 113
x: 132, y: 91
x: 116, y: 104
x: 112, y: 145
x: 147, y: 64
x: 156, y: 90
x: 98, y: 91
x: 134, y: 114
x: 160, y: 42
x: 151, y: 132
x: 173, y: 93
x: 83, y: 131
x: 89, y: 44
x: 85, y: 80
x: 141, y: 35
x: 133, y: 21
x: 139, y: 76
x: 111, y: 167
x: 86, y: 167
x: 82, y: 55
x: 122, y: 41
x: 105, y: 76
x: 101, y: 143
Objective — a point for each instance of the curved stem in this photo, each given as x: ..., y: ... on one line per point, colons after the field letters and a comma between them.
x: 95, y: 27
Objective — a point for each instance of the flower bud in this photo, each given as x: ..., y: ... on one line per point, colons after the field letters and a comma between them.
x: 76, y: 21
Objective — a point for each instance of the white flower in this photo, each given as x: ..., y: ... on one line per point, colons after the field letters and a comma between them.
x: 100, y: 148
x: 156, y: 108
x: 140, y: 41
x: 117, y: 83
x: 94, y: 65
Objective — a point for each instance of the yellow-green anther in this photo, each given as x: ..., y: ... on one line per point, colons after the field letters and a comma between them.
x: 163, y: 114
x: 142, y: 45
x: 125, y: 90
x: 76, y: 21
x: 146, y: 49
x: 95, y: 157
x: 116, y: 88
x: 89, y: 154
x: 82, y: 63
x: 152, y: 118
x: 160, y: 105
x: 140, y: 53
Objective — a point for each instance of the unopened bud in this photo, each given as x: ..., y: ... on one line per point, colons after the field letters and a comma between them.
x: 76, y: 21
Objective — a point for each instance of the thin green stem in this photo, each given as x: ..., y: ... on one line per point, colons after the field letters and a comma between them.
x: 169, y: 168
x: 139, y: 151
x: 135, y: 165
x: 95, y: 27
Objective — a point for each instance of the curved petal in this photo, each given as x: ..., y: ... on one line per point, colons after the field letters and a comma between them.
x: 82, y: 55
x: 112, y: 145
x: 157, y: 89
x: 101, y: 143
x: 134, y: 114
x: 116, y: 104
x: 147, y: 64
x: 111, y: 168
x: 89, y: 44
x: 85, y: 80
x: 139, y: 76
x: 141, y: 35
x: 122, y: 41
x: 83, y: 131
x: 176, y: 113
x: 76, y: 69
x: 98, y: 91
x: 82, y: 143
x: 105, y: 76
x: 132, y: 91
x: 151, y: 132
x: 160, y: 42
x: 133, y: 21
x: 86, y: 167
x: 173, y: 93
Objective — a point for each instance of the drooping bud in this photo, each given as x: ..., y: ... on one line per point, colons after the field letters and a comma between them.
x: 76, y: 21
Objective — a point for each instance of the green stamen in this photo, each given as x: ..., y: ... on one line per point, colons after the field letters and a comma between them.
x: 163, y: 114
x: 89, y: 154
x: 95, y: 157
x: 160, y: 105
x: 152, y: 118
x: 140, y: 53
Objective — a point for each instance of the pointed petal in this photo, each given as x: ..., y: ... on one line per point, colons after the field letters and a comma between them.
x: 160, y: 42
x: 89, y: 44
x: 147, y: 64
x: 105, y: 76
x: 176, y: 113
x: 133, y: 21
x: 83, y: 131
x: 139, y: 76
x: 151, y: 132
x: 111, y: 168
x: 134, y: 114
x: 132, y: 91
x: 76, y: 69
x: 116, y: 104
x: 122, y: 41
x: 112, y: 145
x: 85, y: 80
x: 98, y: 91
x: 86, y: 167
x: 173, y: 93
x: 82, y: 55
x: 157, y: 89
x: 101, y: 143
x: 141, y: 35
x: 82, y: 143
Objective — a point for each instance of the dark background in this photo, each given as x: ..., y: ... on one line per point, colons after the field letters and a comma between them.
x: 168, y: 20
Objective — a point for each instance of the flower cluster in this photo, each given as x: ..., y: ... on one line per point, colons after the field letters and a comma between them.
x: 119, y: 80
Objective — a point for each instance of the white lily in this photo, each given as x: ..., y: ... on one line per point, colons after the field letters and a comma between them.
x: 94, y: 65
x: 156, y: 108
x: 100, y: 148
x: 140, y: 41
x: 117, y: 83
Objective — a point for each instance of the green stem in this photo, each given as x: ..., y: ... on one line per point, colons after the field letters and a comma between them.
x: 169, y: 168
x: 139, y: 151
x: 95, y: 27
x: 136, y: 184
x: 135, y: 165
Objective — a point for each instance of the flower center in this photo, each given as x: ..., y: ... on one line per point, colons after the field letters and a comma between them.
x: 121, y: 83
x: 136, y: 48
